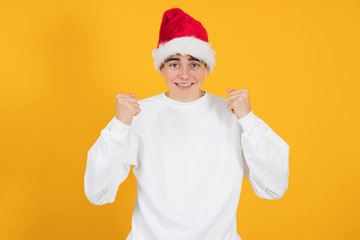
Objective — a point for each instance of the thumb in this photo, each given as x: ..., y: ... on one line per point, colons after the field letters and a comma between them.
x: 132, y: 95
x: 230, y: 90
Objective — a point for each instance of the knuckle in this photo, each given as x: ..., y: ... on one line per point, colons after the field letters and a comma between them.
x: 126, y: 104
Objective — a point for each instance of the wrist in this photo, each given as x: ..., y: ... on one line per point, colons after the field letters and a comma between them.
x: 126, y: 121
x: 248, y: 122
x: 242, y: 115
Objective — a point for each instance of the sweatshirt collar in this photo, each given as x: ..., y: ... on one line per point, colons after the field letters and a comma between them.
x: 175, y: 103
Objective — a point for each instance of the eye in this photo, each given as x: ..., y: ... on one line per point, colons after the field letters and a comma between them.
x: 174, y: 65
x: 195, y: 65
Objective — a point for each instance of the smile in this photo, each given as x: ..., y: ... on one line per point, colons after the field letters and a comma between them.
x: 184, y: 85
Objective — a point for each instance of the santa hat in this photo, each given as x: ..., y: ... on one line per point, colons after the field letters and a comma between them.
x: 182, y: 34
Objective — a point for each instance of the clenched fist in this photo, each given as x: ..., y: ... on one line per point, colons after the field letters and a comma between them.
x: 126, y: 107
x: 239, y: 102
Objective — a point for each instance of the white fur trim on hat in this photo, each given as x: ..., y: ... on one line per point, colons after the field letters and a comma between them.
x: 184, y: 46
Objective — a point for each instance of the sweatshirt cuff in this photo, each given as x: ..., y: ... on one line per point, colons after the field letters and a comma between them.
x: 248, y: 122
x: 118, y: 127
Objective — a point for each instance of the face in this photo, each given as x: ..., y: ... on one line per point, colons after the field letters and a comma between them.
x: 184, y: 76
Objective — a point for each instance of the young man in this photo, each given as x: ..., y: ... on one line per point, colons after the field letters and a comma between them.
x: 190, y: 149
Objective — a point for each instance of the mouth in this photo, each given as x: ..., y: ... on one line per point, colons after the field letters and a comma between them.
x: 184, y: 85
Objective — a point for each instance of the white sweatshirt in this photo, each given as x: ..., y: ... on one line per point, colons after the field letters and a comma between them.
x: 189, y: 161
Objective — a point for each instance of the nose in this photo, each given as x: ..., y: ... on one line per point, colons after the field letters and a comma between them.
x: 184, y: 72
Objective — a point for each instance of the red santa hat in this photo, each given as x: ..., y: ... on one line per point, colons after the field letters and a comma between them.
x: 182, y: 34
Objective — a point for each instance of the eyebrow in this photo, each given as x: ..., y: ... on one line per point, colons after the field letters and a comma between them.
x: 171, y: 59
x: 194, y: 59
x: 178, y: 59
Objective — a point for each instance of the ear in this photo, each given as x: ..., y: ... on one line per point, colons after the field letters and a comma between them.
x: 207, y: 71
x: 161, y: 70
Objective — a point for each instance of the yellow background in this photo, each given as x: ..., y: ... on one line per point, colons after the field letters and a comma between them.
x: 63, y: 62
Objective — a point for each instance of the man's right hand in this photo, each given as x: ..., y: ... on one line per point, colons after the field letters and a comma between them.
x: 126, y: 107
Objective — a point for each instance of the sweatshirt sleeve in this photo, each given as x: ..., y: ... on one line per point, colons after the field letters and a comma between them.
x: 109, y: 161
x: 266, y: 158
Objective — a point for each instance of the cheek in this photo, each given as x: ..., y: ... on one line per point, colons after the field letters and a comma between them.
x: 169, y: 76
x: 169, y: 79
x: 200, y: 77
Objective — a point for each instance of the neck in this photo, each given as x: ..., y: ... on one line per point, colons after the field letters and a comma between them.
x: 184, y: 98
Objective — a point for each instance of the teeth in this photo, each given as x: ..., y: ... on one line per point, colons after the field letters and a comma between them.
x: 183, y: 85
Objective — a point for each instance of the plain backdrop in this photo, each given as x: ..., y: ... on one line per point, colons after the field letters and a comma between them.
x: 63, y: 62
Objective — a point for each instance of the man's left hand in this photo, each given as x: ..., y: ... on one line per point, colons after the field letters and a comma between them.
x: 239, y: 102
